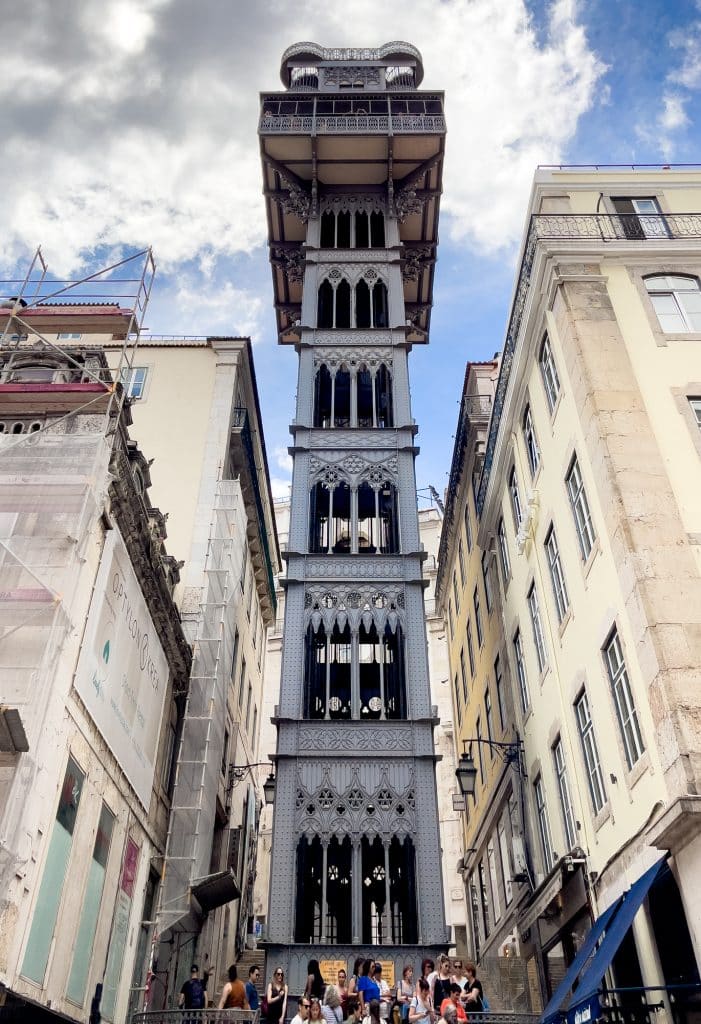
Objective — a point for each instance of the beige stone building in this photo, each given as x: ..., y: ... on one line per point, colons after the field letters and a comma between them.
x: 589, y: 497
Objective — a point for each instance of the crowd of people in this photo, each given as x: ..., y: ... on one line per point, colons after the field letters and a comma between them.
x: 442, y: 995
x: 445, y: 994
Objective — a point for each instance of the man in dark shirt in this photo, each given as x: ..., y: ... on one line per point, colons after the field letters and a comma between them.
x: 193, y: 993
x: 251, y: 990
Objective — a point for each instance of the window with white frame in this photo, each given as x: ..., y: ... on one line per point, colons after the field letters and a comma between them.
x: 463, y: 674
x: 456, y: 593
x: 623, y: 697
x: 505, y: 859
x: 557, y: 576
x: 537, y: 624
x: 530, y: 441
x: 68, y: 336
x: 504, y: 551
x: 695, y: 404
x: 521, y: 676
x: 487, y: 579
x: 470, y: 648
x: 492, y: 865
x: 499, y: 681
x: 461, y: 561
x: 580, y: 509
x: 563, y: 788
x: 489, y: 716
x: 595, y: 779
x: 546, y: 843
x: 478, y: 616
x: 134, y: 381
x: 640, y: 217
x: 548, y: 371
x: 515, y: 497
x: 468, y: 524
x: 676, y: 299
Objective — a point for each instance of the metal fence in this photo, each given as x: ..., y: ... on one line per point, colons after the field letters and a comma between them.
x: 195, y: 1016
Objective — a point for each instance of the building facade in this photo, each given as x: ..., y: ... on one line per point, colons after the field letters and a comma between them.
x: 588, y: 497
x: 92, y: 658
x: 195, y: 401
x: 352, y: 156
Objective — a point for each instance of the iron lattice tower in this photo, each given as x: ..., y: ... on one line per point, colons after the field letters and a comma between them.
x: 352, y: 157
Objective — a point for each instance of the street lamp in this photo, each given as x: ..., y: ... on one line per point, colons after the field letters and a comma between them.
x: 237, y: 772
x: 466, y: 772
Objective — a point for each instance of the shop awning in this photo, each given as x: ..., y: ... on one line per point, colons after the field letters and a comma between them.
x: 585, y: 1005
x: 554, y: 1009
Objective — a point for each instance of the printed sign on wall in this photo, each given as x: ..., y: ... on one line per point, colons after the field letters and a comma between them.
x: 122, y: 673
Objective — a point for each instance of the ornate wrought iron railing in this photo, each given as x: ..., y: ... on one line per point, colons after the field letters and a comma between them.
x: 351, y: 124
x: 210, y: 1016
x: 574, y: 227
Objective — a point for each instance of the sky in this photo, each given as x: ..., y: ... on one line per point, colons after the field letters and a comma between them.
x: 128, y: 123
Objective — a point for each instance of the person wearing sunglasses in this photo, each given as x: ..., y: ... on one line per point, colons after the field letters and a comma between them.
x: 276, y: 997
x: 303, y: 1007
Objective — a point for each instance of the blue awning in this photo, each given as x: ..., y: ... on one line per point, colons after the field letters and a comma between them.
x: 585, y: 1002
x: 554, y: 1008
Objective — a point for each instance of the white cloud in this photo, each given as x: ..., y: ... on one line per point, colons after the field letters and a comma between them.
x: 283, y: 458
x: 680, y: 82
x: 212, y: 308
x: 280, y: 488
x: 141, y: 127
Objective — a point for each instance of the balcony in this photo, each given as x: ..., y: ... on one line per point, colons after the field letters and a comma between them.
x: 352, y: 124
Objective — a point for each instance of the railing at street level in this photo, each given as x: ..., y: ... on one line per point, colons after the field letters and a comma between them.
x: 195, y: 1016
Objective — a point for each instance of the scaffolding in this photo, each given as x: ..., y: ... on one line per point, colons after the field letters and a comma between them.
x: 59, y: 409
x: 193, y: 806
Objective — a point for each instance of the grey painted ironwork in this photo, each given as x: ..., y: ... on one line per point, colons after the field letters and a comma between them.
x: 626, y: 228
x: 358, y: 778
x: 210, y: 1016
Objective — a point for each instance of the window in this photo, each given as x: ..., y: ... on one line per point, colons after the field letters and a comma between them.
x: 463, y: 674
x: 457, y: 699
x: 134, y: 380
x: 562, y: 601
x: 451, y: 621
x: 468, y: 525
x: 461, y: 560
x: 640, y: 218
x: 595, y: 779
x: 254, y: 737
x: 336, y: 308
x: 546, y: 843
x: 531, y: 442
x: 500, y: 692
x: 677, y: 301
x: 478, y: 617
x: 242, y: 681
x: 548, y: 370
x: 225, y: 752
x: 504, y: 552
x: 335, y: 390
x: 623, y: 696
x: 456, y: 593
x: 340, y: 526
x: 580, y: 509
x: 487, y: 581
x: 234, y: 656
x: 505, y: 859
x: 516, y: 507
x: 478, y: 734
x: 695, y: 404
x: 488, y: 716
x: 248, y: 706
x: 344, y: 230
x: 521, y: 671
x: 68, y: 336
x: 563, y: 788
x: 536, y: 623
x: 492, y: 864
x: 470, y: 648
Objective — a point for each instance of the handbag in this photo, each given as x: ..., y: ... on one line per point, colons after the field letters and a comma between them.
x: 264, y: 1006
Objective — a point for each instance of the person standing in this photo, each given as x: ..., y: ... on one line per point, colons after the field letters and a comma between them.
x: 194, y: 992
x: 276, y: 995
x: 368, y: 989
x: 440, y: 981
x: 421, y: 1007
x: 316, y: 986
x: 331, y: 1008
x: 385, y: 993
x: 475, y: 995
x: 342, y: 986
x: 251, y: 987
x: 233, y: 995
x: 405, y: 991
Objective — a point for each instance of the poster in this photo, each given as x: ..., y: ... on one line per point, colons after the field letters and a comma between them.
x: 122, y: 674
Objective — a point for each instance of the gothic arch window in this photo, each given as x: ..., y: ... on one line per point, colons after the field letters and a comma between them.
x: 309, y: 877
x: 378, y: 527
x: 388, y: 892
x: 361, y: 230
x: 381, y: 677
x: 341, y: 306
x: 327, y: 677
x: 359, y: 399
x: 380, y: 307
x: 330, y: 519
x: 324, y: 897
x: 363, y: 316
x: 325, y: 311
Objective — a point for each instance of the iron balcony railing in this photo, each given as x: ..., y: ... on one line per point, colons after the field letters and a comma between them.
x: 352, y: 124
x: 240, y: 424
x: 210, y: 1016
x: 603, y: 228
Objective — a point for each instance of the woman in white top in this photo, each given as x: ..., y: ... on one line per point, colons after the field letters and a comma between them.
x: 421, y: 1006
x: 331, y: 1008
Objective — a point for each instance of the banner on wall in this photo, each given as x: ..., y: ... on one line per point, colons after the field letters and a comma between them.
x: 122, y: 673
